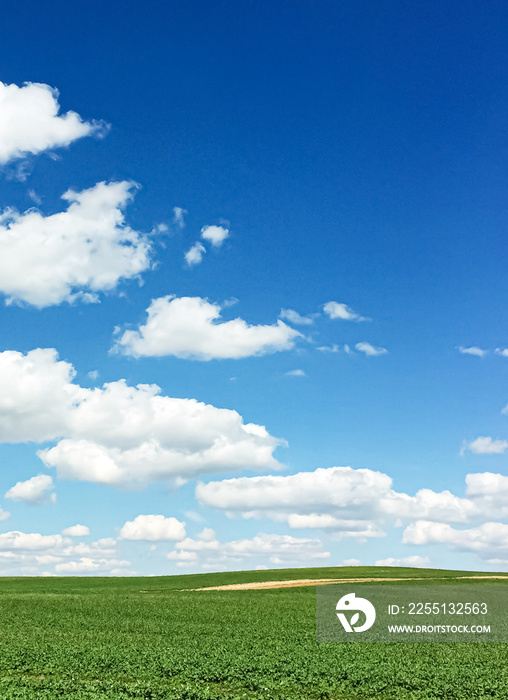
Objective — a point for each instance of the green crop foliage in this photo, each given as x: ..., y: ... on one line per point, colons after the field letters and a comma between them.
x: 113, y: 638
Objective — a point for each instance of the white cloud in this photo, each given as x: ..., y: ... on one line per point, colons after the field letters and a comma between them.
x: 75, y: 254
x: 489, y: 493
x: 30, y: 124
x: 120, y: 434
x: 190, y: 327
x: 431, y: 505
x: 487, y: 540
x: 36, y: 395
x: 101, y: 548
x: 206, y: 535
x: 216, y: 235
x: 276, y: 548
x: 487, y: 446
x: 502, y: 351
x: 282, y: 546
x: 353, y: 503
x: 322, y: 521
x: 414, y: 560
x: 198, y: 544
x: 76, y: 531
x: 473, y: 350
x: 153, y: 528
x: 359, y: 503
x: 154, y: 461
x: 32, y: 541
x: 178, y: 216
x: 88, y: 565
x: 341, y: 528
x: 370, y: 350
x: 36, y: 491
x: 84, y: 564
x: 294, y: 317
x: 24, y: 553
x: 195, y: 254
x: 351, y: 562
x: 487, y: 484
x: 131, y: 435
x: 336, y: 310
x: 295, y: 373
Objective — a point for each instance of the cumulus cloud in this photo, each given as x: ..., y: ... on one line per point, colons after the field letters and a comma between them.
x: 281, y: 547
x: 88, y: 565
x: 489, y: 493
x: 76, y: 531
x: 488, y: 540
x: 502, y: 351
x: 75, y: 254
x: 200, y: 543
x: 487, y: 446
x: 24, y: 554
x: 294, y: 317
x: 340, y: 528
x: 216, y: 235
x: 190, y: 327
x: 336, y: 310
x: 352, y: 503
x: 361, y: 504
x: 277, y: 549
x: 487, y: 484
x: 153, y: 528
x: 295, y: 373
x: 36, y: 395
x: 30, y: 122
x: 35, y: 491
x: 32, y: 541
x: 121, y: 434
x: 414, y: 560
x: 195, y: 254
x: 473, y: 350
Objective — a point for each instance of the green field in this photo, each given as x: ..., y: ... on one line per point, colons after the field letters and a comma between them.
x: 150, y: 638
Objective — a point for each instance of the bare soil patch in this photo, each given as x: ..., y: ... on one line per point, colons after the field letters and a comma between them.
x: 296, y: 583
x: 489, y: 576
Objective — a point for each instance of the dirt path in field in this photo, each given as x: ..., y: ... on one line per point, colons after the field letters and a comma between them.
x: 489, y: 576
x: 297, y: 583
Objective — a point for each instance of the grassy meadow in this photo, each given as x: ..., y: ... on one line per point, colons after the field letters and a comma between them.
x: 126, y: 638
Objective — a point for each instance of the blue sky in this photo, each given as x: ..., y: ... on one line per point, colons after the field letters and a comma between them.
x: 291, y: 219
